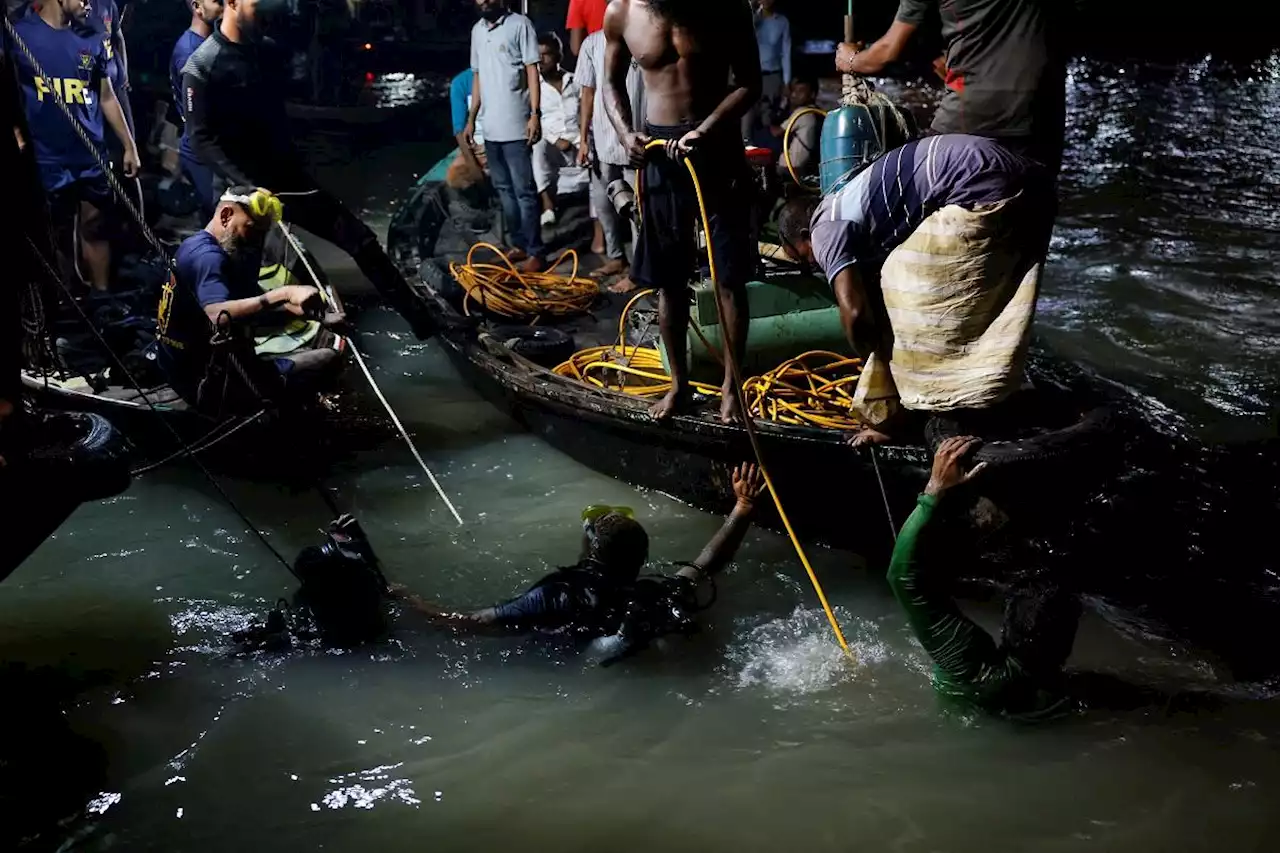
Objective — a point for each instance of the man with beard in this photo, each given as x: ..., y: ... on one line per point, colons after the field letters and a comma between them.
x: 235, y: 113
x: 688, y: 53
x: 217, y: 270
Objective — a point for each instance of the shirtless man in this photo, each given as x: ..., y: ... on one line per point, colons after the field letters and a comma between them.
x: 701, y: 69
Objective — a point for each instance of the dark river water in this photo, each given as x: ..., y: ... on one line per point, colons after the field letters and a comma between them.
x: 131, y: 718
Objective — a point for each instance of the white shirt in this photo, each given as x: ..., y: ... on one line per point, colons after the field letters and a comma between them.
x: 560, y: 111
x: 591, y: 75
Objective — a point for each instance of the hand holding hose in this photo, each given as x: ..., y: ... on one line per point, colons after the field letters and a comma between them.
x: 637, y: 147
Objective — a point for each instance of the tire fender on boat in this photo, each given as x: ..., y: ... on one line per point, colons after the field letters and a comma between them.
x: 1092, y: 432
x: 85, y: 452
x: 543, y: 346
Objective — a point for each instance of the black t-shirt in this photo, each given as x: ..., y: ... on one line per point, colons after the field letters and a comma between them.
x: 1006, y: 66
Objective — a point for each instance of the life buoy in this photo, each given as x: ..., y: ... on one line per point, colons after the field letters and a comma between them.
x: 83, y: 451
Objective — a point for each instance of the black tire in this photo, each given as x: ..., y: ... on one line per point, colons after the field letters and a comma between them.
x: 1092, y: 433
x: 434, y: 276
x: 84, y: 451
x: 541, y: 345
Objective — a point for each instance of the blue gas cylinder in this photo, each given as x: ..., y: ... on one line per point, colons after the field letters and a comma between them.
x: 854, y: 136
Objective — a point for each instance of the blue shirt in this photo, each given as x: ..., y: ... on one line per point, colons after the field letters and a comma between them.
x: 459, y: 95
x: 187, y: 44
x: 773, y: 34
x: 205, y: 276
x: 882, y: 205
x: 104, y: 22
x: 76, y: 65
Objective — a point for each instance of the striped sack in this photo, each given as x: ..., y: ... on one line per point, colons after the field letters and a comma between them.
x: 960, y: 294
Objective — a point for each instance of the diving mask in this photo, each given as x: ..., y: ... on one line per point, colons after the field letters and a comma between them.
x: 595, y: 512
x: 261, y: 204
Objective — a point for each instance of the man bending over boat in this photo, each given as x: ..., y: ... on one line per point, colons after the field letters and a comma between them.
x: 217, y: 289
x: 688, y: 53
x: 235, y: 114
x: 934, y: 252
x: 603, y: 598
x: 1020, y: 678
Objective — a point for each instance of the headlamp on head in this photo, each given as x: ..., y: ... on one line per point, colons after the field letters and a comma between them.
x: 261, y: 204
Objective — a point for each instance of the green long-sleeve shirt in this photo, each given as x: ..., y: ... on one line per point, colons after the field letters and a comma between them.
x: 968, y: 665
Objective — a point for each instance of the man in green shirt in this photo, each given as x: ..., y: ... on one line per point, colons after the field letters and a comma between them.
x: 1022, y: 677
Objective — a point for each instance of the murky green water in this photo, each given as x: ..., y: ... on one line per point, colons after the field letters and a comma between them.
x: 755, y: 735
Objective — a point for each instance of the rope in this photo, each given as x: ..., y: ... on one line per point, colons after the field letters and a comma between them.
x: 503, y: 289
x: 749, y: 424
x: 209, y: 441
x: 106, y: 347
x: 364, y: 368
x: 884, y: 494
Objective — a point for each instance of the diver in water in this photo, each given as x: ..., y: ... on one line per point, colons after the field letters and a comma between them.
x: 1022, y: 677
x: 235, y: 113
x: 603, y: 597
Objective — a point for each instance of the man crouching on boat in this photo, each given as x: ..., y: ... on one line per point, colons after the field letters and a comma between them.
x: 603, y: 598
x: 216, y: 292
x: 934, y: 252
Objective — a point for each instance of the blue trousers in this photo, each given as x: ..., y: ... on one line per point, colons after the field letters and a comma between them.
x: 511, y: 168
x: 201, y: 177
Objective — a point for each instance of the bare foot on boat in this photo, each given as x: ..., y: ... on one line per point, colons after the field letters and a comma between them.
x: 867, y: 436
x: 676, y: 401
x: 730, y: 411
x: 613, y: 266
x: 623, y: 286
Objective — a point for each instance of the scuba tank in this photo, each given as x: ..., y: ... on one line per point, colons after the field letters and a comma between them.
x: 853, y: 136
x: 657, y: 606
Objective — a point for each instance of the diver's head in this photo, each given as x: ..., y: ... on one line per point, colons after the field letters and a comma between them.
x: 795, y: 228
x: 550, y: 53
x: 1040, y: 621
x: 244, y: 217
x: 804, y: 91
x: 491, y: 10
x: 208, y: 11
x: 615, y: 541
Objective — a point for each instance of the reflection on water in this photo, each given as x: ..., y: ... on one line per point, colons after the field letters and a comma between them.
x: 756, y: 734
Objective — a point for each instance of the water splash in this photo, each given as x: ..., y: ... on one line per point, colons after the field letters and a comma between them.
x: 797, y: 654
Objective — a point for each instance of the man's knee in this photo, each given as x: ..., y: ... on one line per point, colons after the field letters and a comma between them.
x: 93, y: 227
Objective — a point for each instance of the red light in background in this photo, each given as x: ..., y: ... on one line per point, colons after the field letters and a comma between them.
x: 368, y: 76
x: 368, y: 46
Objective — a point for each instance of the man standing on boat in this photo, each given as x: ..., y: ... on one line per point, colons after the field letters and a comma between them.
x: 602, y: 598
x: 701, y: 69
x: 1005, y: 70
x: 204, y: 17
x: 106, y: 19
x: 934, y: 254
x: 506, y: 95
x: 605, y: 156
x: 561, y: 136
x: 235, y: 113
x: 216, y: 286
x: 75, y: 73
x: 585, y: 17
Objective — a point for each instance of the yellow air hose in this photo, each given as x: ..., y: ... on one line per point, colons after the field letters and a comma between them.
x: 748, y: 423
x: 786, y: 144
x: 503, y: 289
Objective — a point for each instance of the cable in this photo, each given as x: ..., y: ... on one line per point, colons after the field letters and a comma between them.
x: 748, y: 423
x: 786, y: 145
x: 505, y: 290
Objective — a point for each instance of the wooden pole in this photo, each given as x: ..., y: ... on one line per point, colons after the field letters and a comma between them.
x: 848, y: 24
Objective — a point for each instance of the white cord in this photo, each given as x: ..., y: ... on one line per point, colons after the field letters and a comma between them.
x: 888, y: 513
x: 395, y: 419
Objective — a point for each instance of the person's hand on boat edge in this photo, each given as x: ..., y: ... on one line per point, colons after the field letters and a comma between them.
x: 748, y: 484
x: 948, y: 471
x: 302, y: 300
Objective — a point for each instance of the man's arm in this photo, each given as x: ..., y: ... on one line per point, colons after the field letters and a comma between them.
x: 744, y: 64
x: 208, y: 148
x: 586, y: 112
x: 617, y: 99
x: 114, y: 115
x: 888, y: 48
x: 514, y: 617
x: 748, y: 483
x: 535, y: 103
x: 576, y: 24
x: 849, y: 296
x: 291, y: 298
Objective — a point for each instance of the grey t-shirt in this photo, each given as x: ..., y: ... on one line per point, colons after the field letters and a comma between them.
x: 591, y: 75
x: 1006, y: 68
x: 884, y: 203
x: 500, y: 56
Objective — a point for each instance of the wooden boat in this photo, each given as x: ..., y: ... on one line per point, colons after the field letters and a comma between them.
x: 833, y: 493
x: 126, y: 386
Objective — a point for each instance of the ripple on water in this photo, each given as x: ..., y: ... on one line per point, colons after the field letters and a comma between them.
x: 797, y: 654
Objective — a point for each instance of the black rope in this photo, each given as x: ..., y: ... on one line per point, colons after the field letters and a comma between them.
x: 154, y: 408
